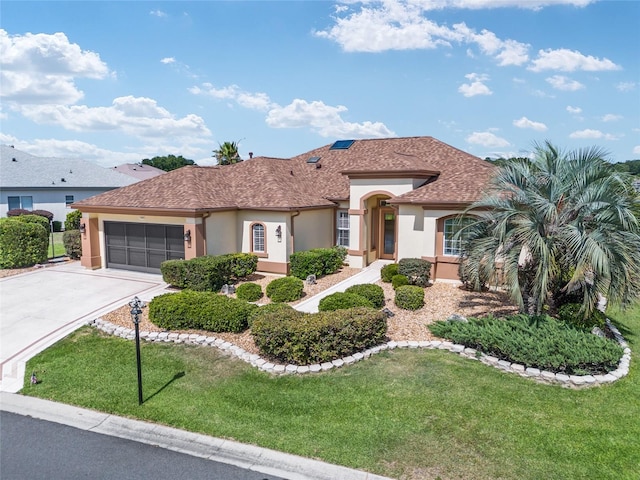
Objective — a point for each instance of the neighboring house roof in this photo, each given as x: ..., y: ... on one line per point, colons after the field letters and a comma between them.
x: 139, y: 171
x: 450, y: 176
x: 21, y: 170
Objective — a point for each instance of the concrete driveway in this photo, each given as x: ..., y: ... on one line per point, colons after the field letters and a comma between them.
x: 40, y: 307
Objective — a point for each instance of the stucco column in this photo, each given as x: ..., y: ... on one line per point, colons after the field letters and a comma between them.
x: 357, y: 244
x: 194, y: 240
x: 90, y: 243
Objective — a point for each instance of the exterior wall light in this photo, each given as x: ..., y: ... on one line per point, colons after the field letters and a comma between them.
x: 187, y: 236
x: 83, y: 228
x: 279, y: 233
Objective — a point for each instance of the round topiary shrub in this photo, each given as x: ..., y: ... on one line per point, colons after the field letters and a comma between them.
x: 399, y: 281
x: 573, y: 314
x: 251, y: 292
x: 410, y: 297
x: 282, y: 308
x: 373, y: 293
x: 285, y: 289
x: 341, y: 301
x: 307, y: 338
x: 388, y: 271
x: 200, y: 310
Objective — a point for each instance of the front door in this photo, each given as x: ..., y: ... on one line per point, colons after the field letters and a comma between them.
x: 387, y: 233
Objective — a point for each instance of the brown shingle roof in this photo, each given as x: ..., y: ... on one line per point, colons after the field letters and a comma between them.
x: 451, y: 176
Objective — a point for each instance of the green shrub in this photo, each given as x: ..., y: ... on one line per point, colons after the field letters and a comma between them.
x: 39, y: 219
x: 373, y: 293
x: 388, y: 271
x: 410, y: 297
x: 208, y: 273
x: 341, y: 301
x: 285, y: 289
x: 72, y: 222
x: 302, y: 339
x: 282, y: 308
x: 23, y: 243
x: 43, y: 213
x: 251, y: 292
x: 418, y: 271
x: 573, y: 314
x: 538, y: 342
x: 200, y: 310
x: 318, y: 261
x: 399, y: 281
x: 72, y: 242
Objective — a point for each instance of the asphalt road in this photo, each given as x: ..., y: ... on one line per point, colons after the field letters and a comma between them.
x: 37, y: 449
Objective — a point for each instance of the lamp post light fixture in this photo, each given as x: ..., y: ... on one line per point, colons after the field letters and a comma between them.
x: 136, y: 310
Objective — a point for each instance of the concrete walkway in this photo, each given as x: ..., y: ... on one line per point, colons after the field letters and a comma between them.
x: 370, y: 274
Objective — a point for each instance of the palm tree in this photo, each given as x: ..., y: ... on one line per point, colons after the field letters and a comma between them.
x: 554, y: 226
x: 227, y: 153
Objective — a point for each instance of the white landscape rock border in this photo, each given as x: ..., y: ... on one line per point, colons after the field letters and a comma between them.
x: 279, y: 369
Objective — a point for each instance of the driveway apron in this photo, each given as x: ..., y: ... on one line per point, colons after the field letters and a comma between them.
x: 40, y: 307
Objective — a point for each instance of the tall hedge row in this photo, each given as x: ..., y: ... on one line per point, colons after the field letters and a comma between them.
x: 23, y: 241
x: 317, y: 261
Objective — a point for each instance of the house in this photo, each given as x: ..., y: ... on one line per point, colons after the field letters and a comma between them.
x: 138, y: 171
x: 381, y: 198
x: 52, y: 184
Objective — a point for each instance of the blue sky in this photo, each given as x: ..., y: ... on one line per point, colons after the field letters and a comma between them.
x: 116, y: 82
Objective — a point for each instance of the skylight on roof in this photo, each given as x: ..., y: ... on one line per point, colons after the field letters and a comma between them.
x: 313, y: 160
x: 342, y: 145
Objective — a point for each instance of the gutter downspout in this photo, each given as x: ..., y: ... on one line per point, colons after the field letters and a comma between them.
x: 204, y: 230
x: 293, y: 215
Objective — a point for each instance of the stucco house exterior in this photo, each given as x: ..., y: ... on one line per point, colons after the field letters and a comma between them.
x: 52, y: 184
x: 381, y: 198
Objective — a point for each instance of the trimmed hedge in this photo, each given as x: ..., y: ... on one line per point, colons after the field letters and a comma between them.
x: 342, y: 301
x: 318, y: 261
x: 538, y: 342
x: 303, y: 339
x: 388, y: 271
x: 208, y: 273
x: 573, y: 314
x: 251, y: 292
x: 72, y: 222
x: 282, y: 308
x: 418, y: 271
x: 285, y: 289
x: 72, y: 241
x: 373, y: 293
x: 23, y: 241
x: 399, y: 281
x: 43, y: 213
x: 410, y: 297
x: 200, y: 310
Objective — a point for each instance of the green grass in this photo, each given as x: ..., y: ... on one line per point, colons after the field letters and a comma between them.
x: 404, y: 413
x: 57, y: 248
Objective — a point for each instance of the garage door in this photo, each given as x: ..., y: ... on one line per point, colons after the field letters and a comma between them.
x: 142, y: 246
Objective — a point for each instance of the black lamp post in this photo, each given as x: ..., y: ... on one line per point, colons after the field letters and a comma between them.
x: 136, y: 309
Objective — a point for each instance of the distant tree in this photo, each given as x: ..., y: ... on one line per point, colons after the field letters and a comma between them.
x: 630, y: 166
x: 227, y: 153
x: 501, y: 161
x: 168, y: 163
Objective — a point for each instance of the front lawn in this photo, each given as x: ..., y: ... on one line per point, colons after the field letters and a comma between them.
x: 405, y: 413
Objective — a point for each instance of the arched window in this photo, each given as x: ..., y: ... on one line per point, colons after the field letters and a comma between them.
x: 452, y: 243
x: 257, y: 238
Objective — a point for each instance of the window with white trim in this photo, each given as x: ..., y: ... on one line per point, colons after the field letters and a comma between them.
x: 453, y: 243
x: 25, y: 202
x: 257, y: 238
x: 342, y: 228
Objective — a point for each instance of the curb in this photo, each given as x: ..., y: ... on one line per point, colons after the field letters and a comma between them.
x: 249, y: 457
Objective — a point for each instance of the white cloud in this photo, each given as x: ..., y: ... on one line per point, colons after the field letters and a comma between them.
x: 566, y: 60
x: 137, y: 116
x: 401, y: 25
x: 41, y: 68
x: 168, y: 60
x: 574, y: 110
x: 476, y: 87
x: 324, y: 119
x: 636, y: 150
x: 560, y: 82
x: 592, y: 134
x: 610, y: 117
x: 626, y: 86
x: 524, y: 122
x: 487, y: 139
x: 157, y: 13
